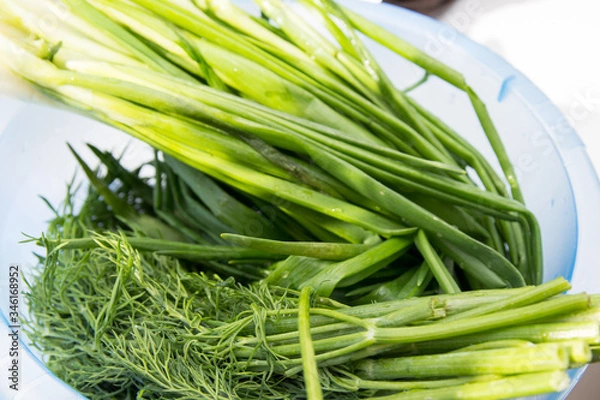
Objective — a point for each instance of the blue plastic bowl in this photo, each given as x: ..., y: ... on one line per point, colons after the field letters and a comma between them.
x: 559, y: 183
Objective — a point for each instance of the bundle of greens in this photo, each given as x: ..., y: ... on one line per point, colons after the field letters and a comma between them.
x: 303, y: 123
x: 308, y: 230
x: 115, y: 318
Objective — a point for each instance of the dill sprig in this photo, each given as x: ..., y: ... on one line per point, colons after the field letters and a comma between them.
x: 115, y: 323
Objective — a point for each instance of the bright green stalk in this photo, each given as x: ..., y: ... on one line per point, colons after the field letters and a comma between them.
x: 463, y: 149
x: 496, y: 344
x: 410, y: 314
x: 327, y: 251
x: 165, y: 247
x: 166, y: 39
x: 590, y: 315
x: 503, y: 388
x: 504, y: 361
x: 439, y: 270
x: 415, y: 313
x: 579, y: 352
x: 588, y: 332
x: 385, y: 313
x: 309, y: 363
x: 448, y: 194
x: 211, y: 77
x: 496, y: 142
x: 155, y: 30
x: 339, y: 349
x: 404, y: 49
x: 355, y: 383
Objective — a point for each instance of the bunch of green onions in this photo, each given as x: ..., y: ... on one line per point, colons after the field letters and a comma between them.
x: 115, y: 322
x: 118, y: 313
x: 285, y: 115
x: 310, y: 230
